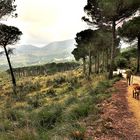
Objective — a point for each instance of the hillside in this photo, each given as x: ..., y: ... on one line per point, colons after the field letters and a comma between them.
x: 49, y: 107
x: 27, y: 55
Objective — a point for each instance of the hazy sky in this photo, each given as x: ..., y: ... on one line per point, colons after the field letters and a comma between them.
x: 44, y: 21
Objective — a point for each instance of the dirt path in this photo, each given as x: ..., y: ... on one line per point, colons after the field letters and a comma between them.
x: 134, y: 104
x: 120, y: 116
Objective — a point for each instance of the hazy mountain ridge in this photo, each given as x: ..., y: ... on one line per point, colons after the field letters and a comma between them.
x: 26, y: 55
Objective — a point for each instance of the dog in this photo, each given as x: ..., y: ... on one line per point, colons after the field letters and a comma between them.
x: 136, y: 90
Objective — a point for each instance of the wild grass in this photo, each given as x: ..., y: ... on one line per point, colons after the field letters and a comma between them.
x: 51, y: 107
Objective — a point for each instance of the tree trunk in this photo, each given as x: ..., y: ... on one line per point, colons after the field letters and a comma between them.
x: 138, y: 55
x: 103, y: 62
x: 84, y: 65
x: 11, y: 70
x: 89, y: 72
x: 108, y: 54
x: 95, y: 64
x: 112, y: 49
x: 98, y: 63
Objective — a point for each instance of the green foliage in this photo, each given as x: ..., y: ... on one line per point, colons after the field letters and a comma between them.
x: 131, y: 52
x: 83, y: 40
x: 24, y: 89
x: 100, y: 88
x: 58, y: 81
x: 76, y: 111
x: 46, y: 69
x: 104, y: 11
x: 48, y: 116
x: 28, y: 87
x: 130, y: 29
x: 51, y: 92
x: 53, y: 112
x: 66, y: 131
x: 71, y: 100
x: 77, y: 133
x: 121, y: 62
x: 127, y: 58
x: 115, y: 79
x: 6, y: 125
x: 7, y: 8
x: 10, y: 35
x: 107, y: 13
x: 35, y: 101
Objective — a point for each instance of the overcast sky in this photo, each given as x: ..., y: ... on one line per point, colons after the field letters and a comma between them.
x: 44, y: 21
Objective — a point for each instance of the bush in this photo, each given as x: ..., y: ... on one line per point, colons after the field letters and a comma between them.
x: 25, y: 134
x: 49, y: 82
x: 78, y: 132
x: 35, y: 101
x: 51, y: 93
x: 6, y: 125
x: 28, y: 87
x: 48, y: 116
x: 13, y: 114
x: 102, y: 86
x: 66, y: 131
x: 15, y: 118
x: 76, y: 111
x: 71, y: 100
x: 58, y: 81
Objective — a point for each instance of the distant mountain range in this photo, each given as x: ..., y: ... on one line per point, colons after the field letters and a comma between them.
x: 27, y: 55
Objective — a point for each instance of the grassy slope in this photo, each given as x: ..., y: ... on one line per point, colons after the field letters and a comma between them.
x: 49, y: 107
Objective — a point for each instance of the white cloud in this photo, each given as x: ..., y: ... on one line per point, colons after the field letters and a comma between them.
x: 43, y: 21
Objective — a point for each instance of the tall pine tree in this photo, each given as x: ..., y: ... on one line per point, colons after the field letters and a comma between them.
x: 110, y: 12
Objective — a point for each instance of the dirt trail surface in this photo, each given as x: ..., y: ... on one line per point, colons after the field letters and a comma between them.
x: 120, y: 116
x: 133, y: 103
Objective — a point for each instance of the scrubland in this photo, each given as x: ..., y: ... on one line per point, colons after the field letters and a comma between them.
x: 51, y: 107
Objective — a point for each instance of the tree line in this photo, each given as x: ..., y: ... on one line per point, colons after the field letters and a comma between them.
x: 98, y: 46
x: 46, y: 69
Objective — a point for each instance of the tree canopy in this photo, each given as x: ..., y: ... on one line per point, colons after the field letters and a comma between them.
x: 105, y: 11
x: 9, y: 35
x: 130, y: 29
x: 7, y: 7
x: 110, y: 13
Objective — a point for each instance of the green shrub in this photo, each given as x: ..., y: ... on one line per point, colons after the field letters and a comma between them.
x: 101, y: 97
x: 65, y: 131
x: 73, y: 81
x: 49, y: 82
x: 48, y: 116
x: 115, y: 79
x: 102, y: 86
x: 28, y: 87
x: 77, y: 133
x: 71, y: 100
x: 24, y: 134
x: 13, y: 114
x: 51, y: 92
x: 70, y: 87
x: 35, y: 101
x: 17, y: 118
x: 6, y: 125
x: 58, y: 81
x: 6, y: 136
x: 76, y: 111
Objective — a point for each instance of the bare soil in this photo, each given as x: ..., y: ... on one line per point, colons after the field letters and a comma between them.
x: 119, y: 116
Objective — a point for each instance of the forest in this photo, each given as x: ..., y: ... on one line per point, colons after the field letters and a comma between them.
x: 81, y: 99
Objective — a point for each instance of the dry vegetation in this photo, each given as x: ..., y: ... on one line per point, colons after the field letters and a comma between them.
x: 50, y: 107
